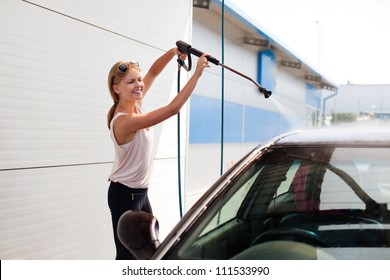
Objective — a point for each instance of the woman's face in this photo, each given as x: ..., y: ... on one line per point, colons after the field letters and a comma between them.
x: 131, y: 86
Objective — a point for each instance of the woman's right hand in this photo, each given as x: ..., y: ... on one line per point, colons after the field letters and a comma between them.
x: 201, y: 64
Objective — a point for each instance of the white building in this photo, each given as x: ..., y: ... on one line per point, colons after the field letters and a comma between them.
x: 362, y: 101
x: 56, y: 153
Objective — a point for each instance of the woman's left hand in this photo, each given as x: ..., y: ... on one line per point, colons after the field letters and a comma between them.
x: 181, y: 55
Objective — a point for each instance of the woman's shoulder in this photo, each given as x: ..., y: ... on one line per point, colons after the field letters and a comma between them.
x: 116, y: 116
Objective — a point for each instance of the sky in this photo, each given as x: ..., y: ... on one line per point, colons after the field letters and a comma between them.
x: 347, y: 41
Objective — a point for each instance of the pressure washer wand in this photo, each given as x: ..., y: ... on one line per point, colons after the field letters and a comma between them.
x: 188, y: 50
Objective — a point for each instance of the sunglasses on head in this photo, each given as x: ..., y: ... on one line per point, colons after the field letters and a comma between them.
x: 123, y: 67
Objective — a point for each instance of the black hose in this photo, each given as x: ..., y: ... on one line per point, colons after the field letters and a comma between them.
x: 178, y: 147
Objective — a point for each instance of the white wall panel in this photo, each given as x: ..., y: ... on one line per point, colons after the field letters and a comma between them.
x: 163, y: 193
x: 149, y: 22
x: 55, y: 213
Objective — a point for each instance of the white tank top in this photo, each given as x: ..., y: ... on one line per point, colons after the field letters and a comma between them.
x: 133, y: 161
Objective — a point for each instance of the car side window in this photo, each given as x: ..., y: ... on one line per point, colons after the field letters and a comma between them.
x: 285, y: 185
x: 229, y: 210
x: 284, y: 198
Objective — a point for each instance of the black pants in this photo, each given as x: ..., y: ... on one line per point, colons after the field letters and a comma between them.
x: 121, y: 199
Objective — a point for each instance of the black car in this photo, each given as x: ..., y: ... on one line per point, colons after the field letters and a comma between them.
x: 315, y: 194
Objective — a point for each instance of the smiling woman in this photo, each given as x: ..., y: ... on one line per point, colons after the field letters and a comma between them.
x: 131, y: 133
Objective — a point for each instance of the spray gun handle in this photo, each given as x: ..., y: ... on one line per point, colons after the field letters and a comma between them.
x: 183, y: 47
x: 186, y: 49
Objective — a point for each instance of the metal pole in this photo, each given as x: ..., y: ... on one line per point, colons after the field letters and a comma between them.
x: 223, y: 86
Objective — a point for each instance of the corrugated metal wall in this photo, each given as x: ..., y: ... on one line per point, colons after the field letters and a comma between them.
x: 55, y: 150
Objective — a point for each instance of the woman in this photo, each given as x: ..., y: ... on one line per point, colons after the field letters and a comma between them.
x: 131, y: 132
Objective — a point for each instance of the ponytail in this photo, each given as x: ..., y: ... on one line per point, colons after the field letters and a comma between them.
x: 110, y: 80
x: 110, y: 114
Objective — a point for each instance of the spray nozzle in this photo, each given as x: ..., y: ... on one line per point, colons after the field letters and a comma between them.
x: 267, y: 93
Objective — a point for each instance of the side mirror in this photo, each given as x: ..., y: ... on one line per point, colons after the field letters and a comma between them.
x: 138, y: 232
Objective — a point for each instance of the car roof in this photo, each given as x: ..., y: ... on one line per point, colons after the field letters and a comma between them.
x: 334, y: 137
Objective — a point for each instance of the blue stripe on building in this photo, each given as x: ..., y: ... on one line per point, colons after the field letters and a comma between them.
x: 243, y: 124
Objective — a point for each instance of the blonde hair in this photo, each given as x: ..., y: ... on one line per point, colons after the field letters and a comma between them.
x: 114, y: 77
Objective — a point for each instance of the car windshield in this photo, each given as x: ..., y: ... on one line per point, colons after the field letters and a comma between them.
x: 327, y: 202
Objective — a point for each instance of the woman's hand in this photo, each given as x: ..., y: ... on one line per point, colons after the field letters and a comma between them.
x: 181, y: 55
x: 201, y: 64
